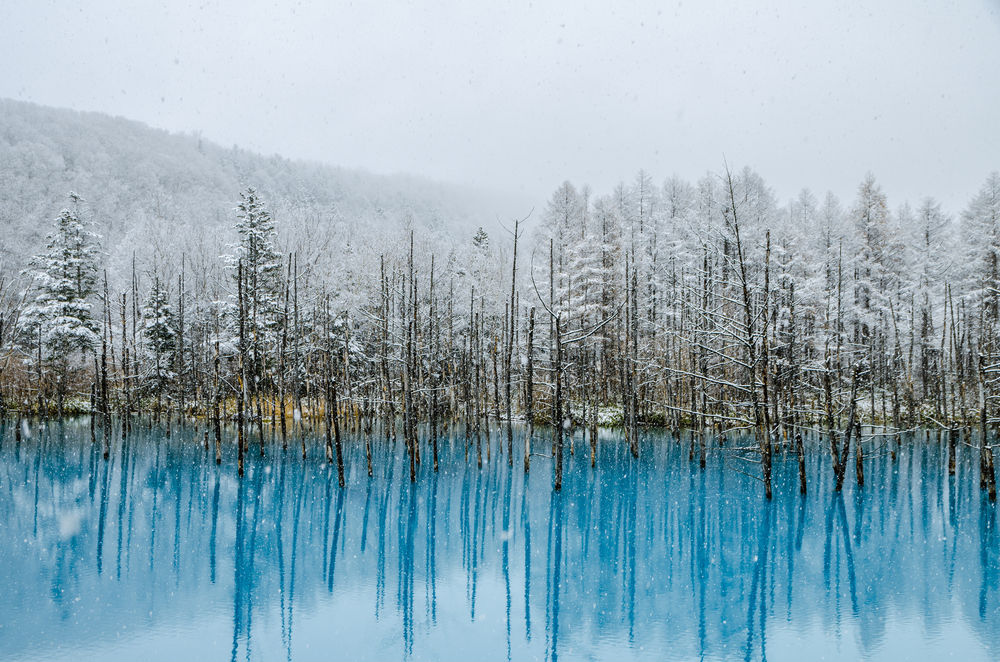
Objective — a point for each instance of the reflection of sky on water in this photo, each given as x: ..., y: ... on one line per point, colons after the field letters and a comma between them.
x: 160, y: 554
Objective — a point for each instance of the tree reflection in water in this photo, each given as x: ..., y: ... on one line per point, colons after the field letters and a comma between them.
x: 161, y: 552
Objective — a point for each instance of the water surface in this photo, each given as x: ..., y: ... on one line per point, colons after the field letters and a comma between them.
x: 159, y: 554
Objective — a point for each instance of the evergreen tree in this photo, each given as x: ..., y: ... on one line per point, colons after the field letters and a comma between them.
x: 65, y: 277
x: 159, y: 330
x: 262, y: 270
x: 59, y: 322
x: 481, y: 240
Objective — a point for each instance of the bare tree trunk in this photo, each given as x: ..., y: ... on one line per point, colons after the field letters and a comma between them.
x: 529, y: 391
x: 332, y: 414
x: 766, y: 446
x: 282, y: 377
x: 242, y: 377
x: 952, y: 443
x: 181, y: 386
x: 435, y: 381
x: 510, y: 349
x: 557, y: 405
x: 987, y: 475
x: 105, y: 400
x: 126, y: 398
x: 840, y: 464
x: 763, y: 436
x: 634, y: 365
x: 859, y: 465
x: 215, y: 407
x: 800, y: 451
x: 593, y: 413
x: 93, y: 410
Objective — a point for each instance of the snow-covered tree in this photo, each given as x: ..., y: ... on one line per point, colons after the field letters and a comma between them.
x: 561, y: 222
x: 59, y: 323
x: 65, y: 280
x: 262, y: 267
x: 159, y: 330
x: 980, y: 232
x: 561, y: 228
x: 929, y: 244
x: 870, y: 215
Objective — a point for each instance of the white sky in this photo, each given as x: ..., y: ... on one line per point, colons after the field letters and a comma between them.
x: 519, y: 96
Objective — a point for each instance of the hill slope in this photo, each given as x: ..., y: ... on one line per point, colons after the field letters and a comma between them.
x: 160, y: 194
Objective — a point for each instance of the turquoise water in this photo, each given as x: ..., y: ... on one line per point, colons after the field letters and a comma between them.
x: 159, y: 554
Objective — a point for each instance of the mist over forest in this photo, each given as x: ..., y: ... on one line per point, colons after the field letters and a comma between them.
x: 156, y: 195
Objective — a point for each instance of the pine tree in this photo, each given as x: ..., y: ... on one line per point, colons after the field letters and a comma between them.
x: 481, y: 240
x: 262, y: 274
x: 159, y: 330
x: 59, y: 320
x: 257, y: 316
x: 479, y: 262
x: 262, y: 262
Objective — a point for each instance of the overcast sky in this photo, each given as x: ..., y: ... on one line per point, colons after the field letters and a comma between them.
x: 521, y: 96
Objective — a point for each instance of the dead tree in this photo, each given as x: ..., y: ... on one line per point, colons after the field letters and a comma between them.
x: 840, y: 458
x: 529, y: 391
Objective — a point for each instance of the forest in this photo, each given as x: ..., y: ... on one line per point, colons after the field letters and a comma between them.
x: 708, y: 309
x: 499, y: 331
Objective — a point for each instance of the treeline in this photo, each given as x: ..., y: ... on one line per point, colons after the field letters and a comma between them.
x: 704, y: 307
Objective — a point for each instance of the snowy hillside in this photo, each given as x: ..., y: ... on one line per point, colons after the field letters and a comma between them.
x: 160, y: 194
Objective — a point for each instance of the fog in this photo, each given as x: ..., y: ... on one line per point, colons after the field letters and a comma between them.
x: 520, y: 96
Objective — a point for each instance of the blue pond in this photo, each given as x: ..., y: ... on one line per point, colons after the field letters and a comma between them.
x: 159, y: 554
